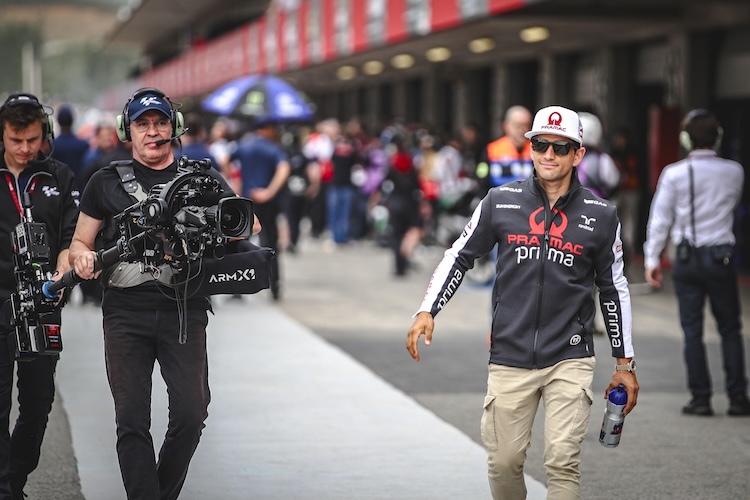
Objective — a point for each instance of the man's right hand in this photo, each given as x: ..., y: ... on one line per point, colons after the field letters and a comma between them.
x: 423, y: 324
x: 653, y: 276
x: 84, y: 265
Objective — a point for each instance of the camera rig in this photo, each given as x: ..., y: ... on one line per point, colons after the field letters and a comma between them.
x: 189, y: 219
x: 29, y: 311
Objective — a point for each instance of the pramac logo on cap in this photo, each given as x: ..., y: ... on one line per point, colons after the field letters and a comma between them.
x: 554, y: 122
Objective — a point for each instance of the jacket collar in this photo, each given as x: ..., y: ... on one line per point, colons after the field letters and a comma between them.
x: 575, y: 187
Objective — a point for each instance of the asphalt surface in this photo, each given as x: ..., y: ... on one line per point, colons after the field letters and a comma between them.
x: 662, y: 455
x: 335, y: 345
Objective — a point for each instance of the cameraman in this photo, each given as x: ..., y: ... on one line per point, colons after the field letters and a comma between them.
x: 26, y: 127
x: 142, y: 318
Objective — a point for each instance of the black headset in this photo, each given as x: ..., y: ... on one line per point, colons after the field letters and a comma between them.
x: 24, y: 99
x: 123, y: 121
x: 686, y: 141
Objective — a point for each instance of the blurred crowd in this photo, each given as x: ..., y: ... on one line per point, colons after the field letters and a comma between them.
x: 400, y: 186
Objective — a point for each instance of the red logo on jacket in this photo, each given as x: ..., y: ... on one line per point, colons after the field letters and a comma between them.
x: 556, y: 232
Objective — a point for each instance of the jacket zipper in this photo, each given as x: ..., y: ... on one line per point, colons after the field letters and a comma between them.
x: 548, y: 217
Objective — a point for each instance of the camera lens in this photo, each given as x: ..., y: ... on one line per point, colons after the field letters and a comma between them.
x: 235, y: 217
x: 232, y: 220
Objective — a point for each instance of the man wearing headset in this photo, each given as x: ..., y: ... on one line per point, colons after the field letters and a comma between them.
x: 695, y: 202
x: 26, y: 127
x: 142, y: 318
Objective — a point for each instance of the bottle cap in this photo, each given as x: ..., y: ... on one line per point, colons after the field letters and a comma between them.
x: 618, y: 395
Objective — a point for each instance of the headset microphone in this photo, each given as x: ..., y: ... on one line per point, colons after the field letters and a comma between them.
x: 47, y: 157
x: 161, y: 142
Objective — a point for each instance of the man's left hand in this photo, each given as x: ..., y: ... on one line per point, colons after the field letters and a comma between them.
x: 630, y: 382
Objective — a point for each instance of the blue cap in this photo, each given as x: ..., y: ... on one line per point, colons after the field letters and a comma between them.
x: 148, y: 102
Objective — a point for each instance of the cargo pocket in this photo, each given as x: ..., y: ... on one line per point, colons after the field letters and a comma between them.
x: 581, y: 421
x: 489, y: 439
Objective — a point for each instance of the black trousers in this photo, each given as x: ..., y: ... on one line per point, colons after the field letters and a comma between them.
x: 709, y: 272
x: 19, y: 451
x: 133, y: 341
x: 295, y: 208
x: 269, y: 234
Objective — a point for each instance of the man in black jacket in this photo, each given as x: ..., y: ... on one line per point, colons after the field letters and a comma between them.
x: 555, y: 239
x: 26, y: 127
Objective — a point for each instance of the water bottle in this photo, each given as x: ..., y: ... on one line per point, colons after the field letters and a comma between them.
x: 614, y: 417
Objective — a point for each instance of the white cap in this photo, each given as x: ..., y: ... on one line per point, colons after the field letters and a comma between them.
x: 558, y: 121
x: 592, y: 130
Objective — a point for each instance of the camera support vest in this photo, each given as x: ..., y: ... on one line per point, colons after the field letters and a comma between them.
x: 130, y: 274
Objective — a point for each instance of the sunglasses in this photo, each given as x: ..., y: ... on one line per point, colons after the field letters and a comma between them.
x: 561, y: 148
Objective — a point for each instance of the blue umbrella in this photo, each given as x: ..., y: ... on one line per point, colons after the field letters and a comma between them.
x: 263, y: 98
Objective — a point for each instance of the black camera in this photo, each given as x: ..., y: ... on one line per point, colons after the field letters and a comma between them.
x: 29, y: 310
x: 190, y: 218
x: 30, y: 244
x: 187, y: 218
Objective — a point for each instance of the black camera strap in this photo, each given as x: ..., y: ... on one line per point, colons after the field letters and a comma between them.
x: 128, y: 181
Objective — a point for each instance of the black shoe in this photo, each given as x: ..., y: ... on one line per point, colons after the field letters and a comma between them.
x: 739, y: 406
x: 698, y: 406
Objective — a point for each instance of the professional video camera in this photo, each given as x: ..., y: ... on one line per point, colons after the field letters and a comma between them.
x: 188, y: 219
x: 28, y: 309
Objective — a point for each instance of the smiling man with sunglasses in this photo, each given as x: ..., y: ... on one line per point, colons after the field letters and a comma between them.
x: 555, y: 240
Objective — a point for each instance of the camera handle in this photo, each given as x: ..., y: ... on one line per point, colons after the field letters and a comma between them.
x: 104, y: 258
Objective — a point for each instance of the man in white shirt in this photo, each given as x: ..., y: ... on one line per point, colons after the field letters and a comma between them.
x: 695, y: 200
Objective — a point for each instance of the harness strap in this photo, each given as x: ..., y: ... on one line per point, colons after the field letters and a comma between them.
x: 128, y: 181
x: 130, y: 274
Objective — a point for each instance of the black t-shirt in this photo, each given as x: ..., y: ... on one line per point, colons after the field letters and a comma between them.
x: 345, y: 156
x: 105, y: 197
x: 298, y: 181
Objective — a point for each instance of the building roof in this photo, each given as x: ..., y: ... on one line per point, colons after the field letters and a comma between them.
x: 573, y: 25
x: 161, y: 29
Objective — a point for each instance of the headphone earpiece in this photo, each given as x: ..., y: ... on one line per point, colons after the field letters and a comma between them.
x: 685, y: 141
x: 178, y: 123
x: 49, y: 129
x: 123, y: 132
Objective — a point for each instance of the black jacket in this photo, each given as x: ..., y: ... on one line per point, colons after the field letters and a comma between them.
x: 548, y: 259
x: 54, y: 201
